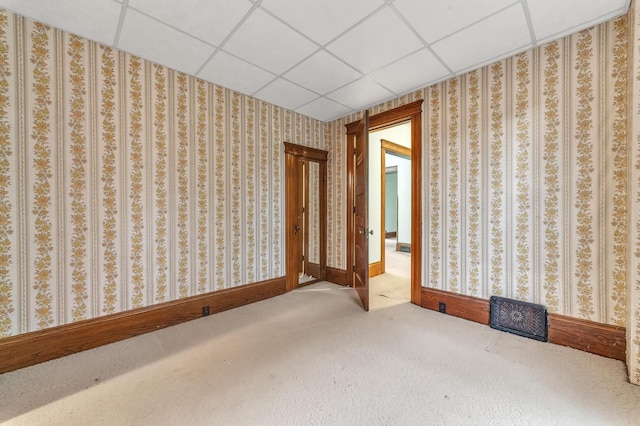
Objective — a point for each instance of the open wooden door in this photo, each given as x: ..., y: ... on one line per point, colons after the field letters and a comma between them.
x: 361, y: 255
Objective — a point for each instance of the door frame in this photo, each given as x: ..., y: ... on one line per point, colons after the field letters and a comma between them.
x: 409, y: 112
x: 294, y: 153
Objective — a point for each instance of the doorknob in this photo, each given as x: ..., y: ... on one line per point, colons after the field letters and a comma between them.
x: 366, y: 231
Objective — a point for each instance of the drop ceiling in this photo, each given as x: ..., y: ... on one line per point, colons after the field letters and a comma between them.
x: 321, y: 58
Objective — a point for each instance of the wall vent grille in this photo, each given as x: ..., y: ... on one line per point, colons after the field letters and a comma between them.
x: 521, y: 318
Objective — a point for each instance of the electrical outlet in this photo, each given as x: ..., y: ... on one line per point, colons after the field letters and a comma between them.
x: 205, y: 311
x: 442, y: 307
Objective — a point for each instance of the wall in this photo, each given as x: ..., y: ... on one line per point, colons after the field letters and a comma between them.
x: 391, y: 202
x: 404, y: 196
x: 124, y: 184
x: 525, y: 178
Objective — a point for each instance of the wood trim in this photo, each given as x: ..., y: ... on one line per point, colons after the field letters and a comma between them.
x: 390, y: 234
x: 398, y: 149
x: 383, y: 214
x: 395, y: 116
x: 467, y: 307
x: 375, y: 269
x: 412, y: 112
x: 294, y: 155
x: 337, y: 276
x: 589, y: 336
x: 38, y: 346
x: 400, y: 246
x: 306, y: 152
x: 292, y: 254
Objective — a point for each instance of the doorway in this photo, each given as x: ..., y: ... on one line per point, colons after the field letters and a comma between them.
x: 306, y: 212
x: 389, y: 195
x: 412, y: 113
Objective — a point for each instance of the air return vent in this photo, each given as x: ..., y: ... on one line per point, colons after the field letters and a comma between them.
x: 521, y: 318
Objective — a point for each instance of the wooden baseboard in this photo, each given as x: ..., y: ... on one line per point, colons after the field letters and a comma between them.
x: 467, y: 307
x: 38, y: 346
x: 337, y: 276
x: 588, y: 336
x: 403, y: 247
x: 391, y: 234
x: 601, y: 339
x: 375, y: 269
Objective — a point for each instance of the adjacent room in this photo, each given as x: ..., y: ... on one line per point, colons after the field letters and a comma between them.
x: 319, y: 212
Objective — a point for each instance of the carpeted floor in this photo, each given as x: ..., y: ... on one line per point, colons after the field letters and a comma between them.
x: 313, y: 356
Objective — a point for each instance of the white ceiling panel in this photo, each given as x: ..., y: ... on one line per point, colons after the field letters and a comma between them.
x: 96, y: 20
x: 159, y: 43
x: 323, y: 58
x: 381, y: 39
x: 208, y: 20
x: 410, y: 72
x: 548, y: 16
x: 284, y: 93
x: 360, y: 94
x: 323, y: 109
x: 322, y: 73
x: 322, y: 20
x: 233, y: 73
x: 268, y: 43
x: 436, y: 19
x: 485, y: 40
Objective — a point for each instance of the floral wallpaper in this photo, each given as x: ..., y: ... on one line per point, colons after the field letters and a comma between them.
x: 526, y: 179
x: 124, y: 183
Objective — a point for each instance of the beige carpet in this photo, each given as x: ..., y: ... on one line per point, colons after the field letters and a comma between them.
x: 313, y: 356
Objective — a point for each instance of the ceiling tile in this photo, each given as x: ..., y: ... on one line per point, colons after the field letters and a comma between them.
x: 286, y: 94
x: 233, y: 73
x: 499, y: 35
x: 411, y: 72
x: 360, y: 94
x: 208, y: 20
x: 323, y: 109
x: 436, y: 19
x: 324, y: 20
x: 379, y: 40
x: 556, y: 18
x: 268, y: 43
x: 160, y: 43
x: 96, y: 20
x: 322, y: 73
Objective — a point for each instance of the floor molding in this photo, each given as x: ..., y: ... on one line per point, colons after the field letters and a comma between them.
x: 38, y: 346
x: 403, y: 247
x: 588, y: 336
x: 467, y: 307
x: 376, y: 269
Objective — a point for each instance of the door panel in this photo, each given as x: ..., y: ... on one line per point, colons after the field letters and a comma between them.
x: 361, y: 255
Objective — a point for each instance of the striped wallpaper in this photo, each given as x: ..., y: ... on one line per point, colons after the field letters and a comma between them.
x: 124, y: 184
x: 526, y: 178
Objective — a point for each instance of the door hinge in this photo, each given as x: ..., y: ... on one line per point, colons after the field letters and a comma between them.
x: 303, y: 257
x: 354, y: 151
x: 354, y: 268
x: 303, y: 210
x: 354, y: 209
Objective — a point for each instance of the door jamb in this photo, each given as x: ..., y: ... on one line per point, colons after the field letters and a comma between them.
x: 412, y: 112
